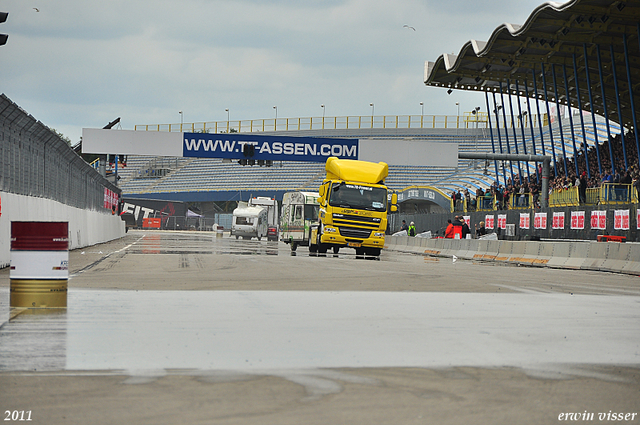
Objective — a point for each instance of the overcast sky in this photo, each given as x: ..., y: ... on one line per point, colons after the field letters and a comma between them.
x: 79, y: 63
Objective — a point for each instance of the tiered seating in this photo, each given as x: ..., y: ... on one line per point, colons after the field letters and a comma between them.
x: 202, y: 174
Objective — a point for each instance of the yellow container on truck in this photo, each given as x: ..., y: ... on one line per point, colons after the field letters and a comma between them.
x: 354, y: 203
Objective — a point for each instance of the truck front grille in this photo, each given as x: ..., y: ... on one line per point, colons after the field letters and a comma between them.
x: 350, y: 232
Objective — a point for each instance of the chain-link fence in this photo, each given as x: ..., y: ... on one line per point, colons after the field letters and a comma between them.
x: 35, y: 161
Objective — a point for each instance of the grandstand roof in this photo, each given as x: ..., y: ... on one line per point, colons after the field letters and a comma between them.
x: 549, y: 40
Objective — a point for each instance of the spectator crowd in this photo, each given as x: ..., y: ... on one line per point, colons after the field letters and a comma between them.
x: 520, y: 188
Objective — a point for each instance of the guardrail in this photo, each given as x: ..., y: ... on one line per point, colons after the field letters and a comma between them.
x: 607, y: 194
x: 467, y: 120
x: 564, y: 197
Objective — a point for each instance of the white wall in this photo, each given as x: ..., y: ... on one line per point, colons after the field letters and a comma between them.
x: 85, y: 227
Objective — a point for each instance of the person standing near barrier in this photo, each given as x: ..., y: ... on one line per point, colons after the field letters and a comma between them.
x: 582, y: 188
x: 457, y: 228
x: 412, y: 229
x: 465, y: 228
x: 481, y: 230
x: 404, y: 227
x: 448, y: 233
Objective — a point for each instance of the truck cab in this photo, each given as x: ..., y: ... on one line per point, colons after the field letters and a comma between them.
x: 353, y: 207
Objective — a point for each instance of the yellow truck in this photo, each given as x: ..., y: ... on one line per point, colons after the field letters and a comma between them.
x: 354, y: 203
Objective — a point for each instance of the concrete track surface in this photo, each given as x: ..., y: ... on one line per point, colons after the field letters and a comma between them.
x: 184, y: 327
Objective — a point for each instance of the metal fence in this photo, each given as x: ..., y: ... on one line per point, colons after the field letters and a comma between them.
x: 35, y: 161
x: 466, y: 120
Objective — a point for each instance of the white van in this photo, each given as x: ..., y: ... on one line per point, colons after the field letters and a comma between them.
x: 249, y: 222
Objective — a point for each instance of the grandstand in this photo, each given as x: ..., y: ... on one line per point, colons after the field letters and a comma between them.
x: 191, y: 180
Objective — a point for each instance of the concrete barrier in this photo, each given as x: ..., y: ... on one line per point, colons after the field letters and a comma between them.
x: 517, y: 252
x: 504, y: 251
x: 545, y: 252
x: 617, y: 256
x: 587, y: 255
x: 462, y: 248
x: 531, y: 255
x: 561, y: 252
x: 487, y: 250
x: 578, y: 254
x: 596, y: 256
x: 633, y: 262
x: 472, y: 249
x: 86, y: 227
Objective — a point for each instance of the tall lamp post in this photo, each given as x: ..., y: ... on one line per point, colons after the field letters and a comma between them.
x: 323, y: 110
x: 372, y: 111
x: 421, y: 113
x: 227, y: 111
x: 275, y: 122
x: 181, y: 119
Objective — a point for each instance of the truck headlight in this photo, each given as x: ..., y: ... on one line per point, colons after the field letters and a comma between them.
x: 330, y: 230
x: 378, y: 235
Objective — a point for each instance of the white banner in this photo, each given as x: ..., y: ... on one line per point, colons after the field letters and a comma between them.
x: 577, y: 220
x: 540, y: 221
x: 558, y: 220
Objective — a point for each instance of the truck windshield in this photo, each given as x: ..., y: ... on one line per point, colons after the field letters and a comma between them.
x: 360, y: 197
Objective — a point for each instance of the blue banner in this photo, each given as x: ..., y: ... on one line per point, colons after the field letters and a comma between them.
x: 274, y: 148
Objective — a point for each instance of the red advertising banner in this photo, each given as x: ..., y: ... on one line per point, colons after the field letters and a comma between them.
x: 558, y: 220
x: 467, y: 219
x: 489, y: 221
x: 110, y: 199
x: 525, y: 220
x: 502, y: 221
x: 540, y: 220
x: 621, y: 220
x: 577, y: 220
x: 599, y: 220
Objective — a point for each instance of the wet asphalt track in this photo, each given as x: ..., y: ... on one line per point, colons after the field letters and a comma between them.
x: 157, y: 304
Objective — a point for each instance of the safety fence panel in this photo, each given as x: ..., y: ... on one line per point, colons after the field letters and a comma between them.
x: 35, y: 161
x: 564, y: 197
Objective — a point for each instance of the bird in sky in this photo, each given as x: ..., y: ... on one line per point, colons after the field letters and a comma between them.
x: 36, y: 9
x: 407, y: 26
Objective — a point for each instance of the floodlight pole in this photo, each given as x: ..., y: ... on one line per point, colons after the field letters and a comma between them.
x: 546, y: 165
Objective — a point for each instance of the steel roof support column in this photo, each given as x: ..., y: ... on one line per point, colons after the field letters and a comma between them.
x: 506, y: 131
x: 593, y: 109
x: 497, y: 112
x: 633, y: 108
x: 584, y: 133
x: 629, y: 81
x: 531, y: 118
x: 546, y: 102
x: 535, y: 92
x: 513, y: 126
x: 615, y: 87
x: 524, y: 141
x: 555, y: 90
x: 573, y: 134
x: 606, y: 113
x: 493, y: 145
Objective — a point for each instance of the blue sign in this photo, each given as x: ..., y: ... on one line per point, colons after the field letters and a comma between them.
x: 274, y: 148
